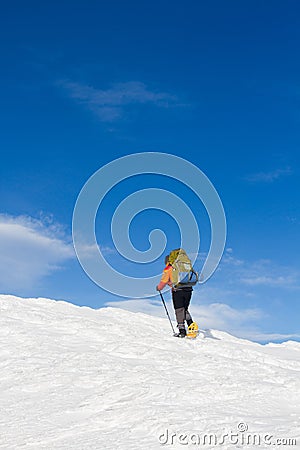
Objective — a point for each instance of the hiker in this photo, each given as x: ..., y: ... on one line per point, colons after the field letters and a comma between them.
x: 181, y: 296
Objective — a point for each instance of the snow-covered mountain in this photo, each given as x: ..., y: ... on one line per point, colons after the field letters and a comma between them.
x: 75, y: 378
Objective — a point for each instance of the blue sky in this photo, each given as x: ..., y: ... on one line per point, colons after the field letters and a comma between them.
x: 216, y: 83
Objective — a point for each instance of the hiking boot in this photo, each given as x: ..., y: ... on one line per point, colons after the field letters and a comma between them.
x: 181, y: 334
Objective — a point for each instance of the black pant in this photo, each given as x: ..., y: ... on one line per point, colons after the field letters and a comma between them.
x: 181, y: 302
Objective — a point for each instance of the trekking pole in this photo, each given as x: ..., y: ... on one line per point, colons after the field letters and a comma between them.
x: 162, y: 299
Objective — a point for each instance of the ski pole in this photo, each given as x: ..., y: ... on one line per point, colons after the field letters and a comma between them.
x: 162, y: 299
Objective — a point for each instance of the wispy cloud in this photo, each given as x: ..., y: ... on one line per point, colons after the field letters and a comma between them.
x: 265, y: 273
x: 271, y: 281
x: 30, y: 250
x: 256, y: 335
x: 259, y: 273
x: 268, y: 177
x: 215, y: 315
x: 240, y: 322
x: 110, y: 104
x: 92, y: 251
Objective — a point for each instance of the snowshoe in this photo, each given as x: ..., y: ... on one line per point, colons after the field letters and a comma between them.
x: 193, y: 331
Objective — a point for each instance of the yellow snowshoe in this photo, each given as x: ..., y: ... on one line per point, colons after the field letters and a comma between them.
x: 193, y: 331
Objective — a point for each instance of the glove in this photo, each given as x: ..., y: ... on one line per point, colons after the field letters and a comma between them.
x: 157, y: 288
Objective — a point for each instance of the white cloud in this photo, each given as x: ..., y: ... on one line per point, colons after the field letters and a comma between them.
x: 29, y: 250
x: 268, y: 177
x: 276, y: 281
x: 109, y: 104
x: 256, y: 335
x: 216, y: 315
x: 266, y: 273
x: 257, y: 273
x: 146, y: 306
x: 92, y: 251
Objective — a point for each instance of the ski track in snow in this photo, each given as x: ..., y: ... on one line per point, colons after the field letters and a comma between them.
x: 76, y: 378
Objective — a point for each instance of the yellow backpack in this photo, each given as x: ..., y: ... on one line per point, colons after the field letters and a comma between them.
x: 183, y: 274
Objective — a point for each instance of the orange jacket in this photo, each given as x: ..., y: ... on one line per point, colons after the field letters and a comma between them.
x: 166, y: 278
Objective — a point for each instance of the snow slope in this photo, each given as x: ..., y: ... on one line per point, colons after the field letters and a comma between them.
x: 75, y: 378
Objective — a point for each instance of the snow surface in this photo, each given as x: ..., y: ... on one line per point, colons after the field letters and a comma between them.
x: 76, y: 378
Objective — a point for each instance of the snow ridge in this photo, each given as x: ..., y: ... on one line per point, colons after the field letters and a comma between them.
x: 77, y: 378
